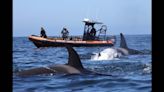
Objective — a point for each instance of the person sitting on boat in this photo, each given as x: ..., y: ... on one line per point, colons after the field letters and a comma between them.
x: 64, y: 33
x: 43, y: 33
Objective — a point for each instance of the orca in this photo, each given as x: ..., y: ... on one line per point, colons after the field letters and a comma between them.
x: 124, y: 48
x: 111, y: 53
x: 74, y: 66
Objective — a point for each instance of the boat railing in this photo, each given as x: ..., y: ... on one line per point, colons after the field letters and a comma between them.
x: 72, y: 38
x: 78, y: 39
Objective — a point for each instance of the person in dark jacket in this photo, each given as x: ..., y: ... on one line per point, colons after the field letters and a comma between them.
x: 93, y: 31
x: 43, y: 33
x: 64, y: 33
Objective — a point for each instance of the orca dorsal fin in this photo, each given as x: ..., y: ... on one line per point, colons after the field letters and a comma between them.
x: 74, y: 59
x: 123, y: 41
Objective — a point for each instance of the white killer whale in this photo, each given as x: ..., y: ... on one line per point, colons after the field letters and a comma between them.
x: 111, y: 53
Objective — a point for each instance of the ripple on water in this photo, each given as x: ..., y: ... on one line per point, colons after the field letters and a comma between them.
x: 131, y: 72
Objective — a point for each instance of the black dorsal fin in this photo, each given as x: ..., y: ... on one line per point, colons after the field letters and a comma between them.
x: 74, y: 59
x: 123, y: 41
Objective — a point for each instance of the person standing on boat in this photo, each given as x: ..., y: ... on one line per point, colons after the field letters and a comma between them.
x: 93, y: 31
x: 64, y: 33
x: 43, y: 33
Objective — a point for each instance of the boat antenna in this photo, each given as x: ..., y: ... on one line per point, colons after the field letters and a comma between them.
x: 88, y: 12
x: 97, y: 12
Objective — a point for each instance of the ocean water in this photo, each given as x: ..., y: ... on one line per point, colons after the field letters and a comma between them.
x: 130, y: 73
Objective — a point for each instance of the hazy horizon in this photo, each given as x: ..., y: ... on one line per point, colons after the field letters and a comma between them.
x: 127, y: 16
x: 81, y: 35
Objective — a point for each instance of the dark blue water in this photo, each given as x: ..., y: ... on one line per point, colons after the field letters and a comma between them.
x: 131, y: 73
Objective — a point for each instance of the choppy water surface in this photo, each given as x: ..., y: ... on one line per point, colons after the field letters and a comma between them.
x: 131, y: 73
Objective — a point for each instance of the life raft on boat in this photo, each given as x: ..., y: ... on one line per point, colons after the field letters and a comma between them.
x: 59, y: 42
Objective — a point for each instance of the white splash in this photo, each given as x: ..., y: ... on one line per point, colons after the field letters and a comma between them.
x: 106, y: 54
x: 148, y: 68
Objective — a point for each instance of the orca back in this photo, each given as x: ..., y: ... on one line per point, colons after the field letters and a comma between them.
x: 123, y: 41
x: 123, y: 44
x: 74, y: 59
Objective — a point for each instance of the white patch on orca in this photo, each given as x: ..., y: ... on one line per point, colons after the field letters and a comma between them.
x: 106, y: 54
